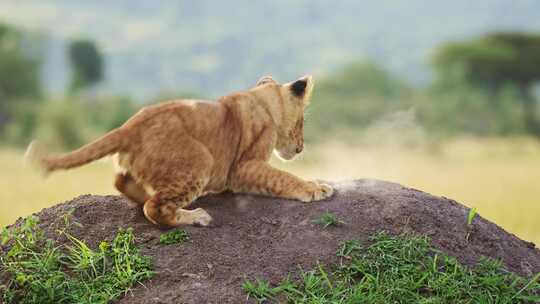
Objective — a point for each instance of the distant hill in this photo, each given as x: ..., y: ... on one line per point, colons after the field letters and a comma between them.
x: 218, y: 46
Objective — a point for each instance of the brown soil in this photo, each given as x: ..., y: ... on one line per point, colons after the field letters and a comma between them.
x: 258, y: 237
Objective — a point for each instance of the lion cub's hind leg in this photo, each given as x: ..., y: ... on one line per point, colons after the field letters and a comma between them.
x: 165, y: 207
x: 126, y: 184
x: 182, y: 181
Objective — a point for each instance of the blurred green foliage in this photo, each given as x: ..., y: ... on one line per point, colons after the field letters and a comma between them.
x: 18, y: 65
x: 63, y: 123
x: 19, y: 70
x: 388, y: 104
x: 484, y: 87
x: 86, y: 64
x: 494, y: 62
x: 353, y: 99
x: 67, y: 123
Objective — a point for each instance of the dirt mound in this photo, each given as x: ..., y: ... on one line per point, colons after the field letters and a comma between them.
x: 259, y: 237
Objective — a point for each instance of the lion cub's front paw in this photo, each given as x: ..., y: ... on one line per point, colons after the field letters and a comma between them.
x: 317, y: 192
x: 198, y: 217
x: 203, y: 218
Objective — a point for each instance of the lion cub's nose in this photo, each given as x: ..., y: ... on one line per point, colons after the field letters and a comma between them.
x: 299, y: 149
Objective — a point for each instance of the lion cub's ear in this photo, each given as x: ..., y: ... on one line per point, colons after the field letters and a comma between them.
x: 302, y: 88
x: 265, y: 80
x: 298, y: 88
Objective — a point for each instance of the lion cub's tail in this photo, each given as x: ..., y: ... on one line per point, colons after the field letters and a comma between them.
x: 103, y: 146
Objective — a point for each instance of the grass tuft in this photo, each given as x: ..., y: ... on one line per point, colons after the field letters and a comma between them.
x: 173, y: 237
x: 328, y: 219
x: 470, y: 218
x: 37, y: 270
x: 471, y: 215
x: 404, y: 269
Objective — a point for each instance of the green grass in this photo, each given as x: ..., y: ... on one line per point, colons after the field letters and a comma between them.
x: 38, y: 270
x: 328, y: 219
x: 471, y: 215
x: 470, y: 218
x: 173, y: 237
x: 404, y: 269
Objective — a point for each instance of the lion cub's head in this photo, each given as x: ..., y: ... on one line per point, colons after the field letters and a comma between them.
x: 295, y: 97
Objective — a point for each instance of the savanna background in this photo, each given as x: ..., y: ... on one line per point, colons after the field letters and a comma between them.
x: 442, y: 96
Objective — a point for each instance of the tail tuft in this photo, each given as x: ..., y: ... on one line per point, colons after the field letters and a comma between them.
x: 36, y: 157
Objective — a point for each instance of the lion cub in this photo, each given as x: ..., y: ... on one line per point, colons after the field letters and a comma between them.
x: 174, y: 152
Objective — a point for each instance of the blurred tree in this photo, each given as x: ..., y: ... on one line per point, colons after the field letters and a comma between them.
x: 353, y: 98
x: 19, y: 71
x: 86, y: 64
x: 64, y: 124
x: 362, y: 78
x: 111, y: 112
x: 494, y: 61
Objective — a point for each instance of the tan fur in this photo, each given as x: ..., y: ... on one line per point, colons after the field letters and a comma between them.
x: 174, y: 152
